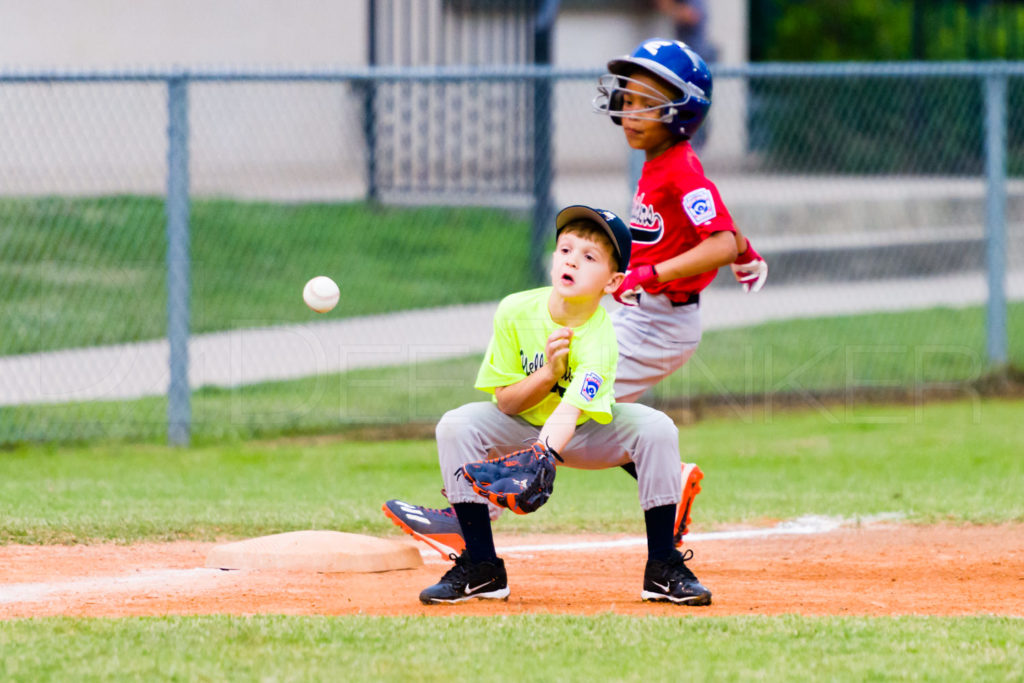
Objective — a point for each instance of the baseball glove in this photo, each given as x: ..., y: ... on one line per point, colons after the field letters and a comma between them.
x: 521, y: 481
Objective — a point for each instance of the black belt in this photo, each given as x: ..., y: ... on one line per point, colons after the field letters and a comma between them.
x: 690, y: 299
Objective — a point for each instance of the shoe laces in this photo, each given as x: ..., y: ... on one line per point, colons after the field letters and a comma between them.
x: 459, y: 571
x: 679, y: 564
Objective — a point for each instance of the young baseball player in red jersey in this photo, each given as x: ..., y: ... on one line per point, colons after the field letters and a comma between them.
x: 682, y: 233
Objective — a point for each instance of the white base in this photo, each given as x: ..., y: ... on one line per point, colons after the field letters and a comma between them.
x: 317, y: 551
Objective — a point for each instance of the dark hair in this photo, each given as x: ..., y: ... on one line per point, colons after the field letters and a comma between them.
x: 590, y: 230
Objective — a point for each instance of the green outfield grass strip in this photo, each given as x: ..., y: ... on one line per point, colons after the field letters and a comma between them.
x: 529, y: 648
x: 92, y: 271
x: 953, y: 462
x: 845, y: 354
x: 734, y: 368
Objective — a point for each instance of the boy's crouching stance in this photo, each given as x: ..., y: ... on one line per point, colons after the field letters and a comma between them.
x: 551, y: 367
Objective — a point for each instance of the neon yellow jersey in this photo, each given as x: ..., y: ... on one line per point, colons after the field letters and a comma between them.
x: 522, y: 325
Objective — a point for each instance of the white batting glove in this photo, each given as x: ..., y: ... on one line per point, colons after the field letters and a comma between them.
x: 750, y: 269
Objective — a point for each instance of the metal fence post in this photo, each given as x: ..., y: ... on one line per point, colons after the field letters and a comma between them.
x: 543, y: 152
x: 995, y: 218
x: 543, y: 204
x: 368, y: 91
x: 179, y: 411
x: 637, y: 158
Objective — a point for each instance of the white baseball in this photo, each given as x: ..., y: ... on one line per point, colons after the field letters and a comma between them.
x: 321, y: 294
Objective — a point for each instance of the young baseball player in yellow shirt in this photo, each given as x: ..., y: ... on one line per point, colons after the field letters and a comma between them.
x: 682, y: 233
x: 550, y: 366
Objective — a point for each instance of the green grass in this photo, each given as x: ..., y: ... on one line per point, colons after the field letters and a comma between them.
x: 848, y: 353
x: 82, y: 272
x: 736, y: 367
x: 533, y: 648
x: 957, y: 461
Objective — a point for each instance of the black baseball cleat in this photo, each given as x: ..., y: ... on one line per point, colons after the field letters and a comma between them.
x: 437, y: 528
x: 468, y: 580
x: 672, y: 581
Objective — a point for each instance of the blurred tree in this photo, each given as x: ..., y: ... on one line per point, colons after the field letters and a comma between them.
x: 856, y: 30
x: 842, y: 30
x: 911, y: 119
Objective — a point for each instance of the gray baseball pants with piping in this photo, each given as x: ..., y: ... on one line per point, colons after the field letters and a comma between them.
x: 637, y: 433
x: 655, y: 339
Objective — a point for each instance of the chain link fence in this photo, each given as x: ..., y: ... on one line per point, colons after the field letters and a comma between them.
x: 871, y: 190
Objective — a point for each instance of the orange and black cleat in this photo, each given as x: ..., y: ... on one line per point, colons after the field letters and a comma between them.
x: 437, y: 528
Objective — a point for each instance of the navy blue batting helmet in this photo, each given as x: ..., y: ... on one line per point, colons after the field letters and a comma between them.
x: 672, y: 62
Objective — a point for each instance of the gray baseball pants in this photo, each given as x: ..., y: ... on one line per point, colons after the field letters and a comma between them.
x: 637, y: 433
x: 655, y: 339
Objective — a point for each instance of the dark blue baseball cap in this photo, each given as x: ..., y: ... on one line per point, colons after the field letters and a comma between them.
x: 612, y: 224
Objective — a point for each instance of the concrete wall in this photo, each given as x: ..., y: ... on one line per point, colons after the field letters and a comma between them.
x: 143, y: 33
x: 284, y: 140
x: 589, y: 39
x: 147, y: 33
x: 727, y: 130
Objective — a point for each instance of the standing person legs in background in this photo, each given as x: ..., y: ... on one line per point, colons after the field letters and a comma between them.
x: 690, y: 24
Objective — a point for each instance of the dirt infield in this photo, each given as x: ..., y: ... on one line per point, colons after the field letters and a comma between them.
x: 876, y: 570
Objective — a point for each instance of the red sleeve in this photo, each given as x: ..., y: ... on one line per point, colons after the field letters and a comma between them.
x: 704, y: 207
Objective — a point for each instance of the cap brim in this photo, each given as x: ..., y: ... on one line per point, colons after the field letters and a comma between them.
x: 580, y: 212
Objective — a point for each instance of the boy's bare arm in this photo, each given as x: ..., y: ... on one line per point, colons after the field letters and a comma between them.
x: 718, y: 250
x: 559, y: 428
x: 741, y: 242
x: 526, y: 393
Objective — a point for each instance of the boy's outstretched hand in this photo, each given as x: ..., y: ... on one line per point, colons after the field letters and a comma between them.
x: 750, y: 269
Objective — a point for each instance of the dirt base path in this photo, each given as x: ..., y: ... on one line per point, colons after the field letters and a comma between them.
x: 878, y: 570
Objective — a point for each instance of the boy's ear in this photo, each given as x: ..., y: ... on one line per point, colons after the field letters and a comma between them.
x: 614, y: 283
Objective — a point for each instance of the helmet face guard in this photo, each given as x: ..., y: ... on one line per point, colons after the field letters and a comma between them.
x: 672, y: 63
x: 612, y: 89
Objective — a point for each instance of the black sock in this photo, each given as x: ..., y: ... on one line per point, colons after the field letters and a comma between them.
x: 476, y: 529
x: 660, y: 525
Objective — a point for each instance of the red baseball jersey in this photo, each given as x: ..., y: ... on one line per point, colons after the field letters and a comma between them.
x: 674, y: 209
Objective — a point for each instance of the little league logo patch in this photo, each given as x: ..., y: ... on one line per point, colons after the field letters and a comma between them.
x: 699, y: 205
x: 591, y: 383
